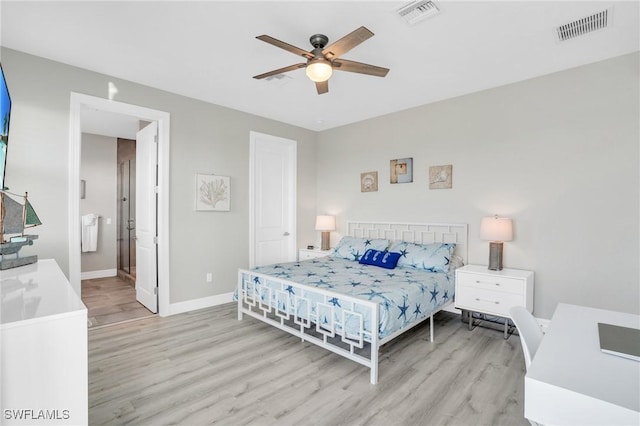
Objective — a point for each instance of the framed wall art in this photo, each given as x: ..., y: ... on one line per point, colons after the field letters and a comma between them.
x: 402, y: 170
x: 213, y: 193
x: 440, y: 177
x: 369, y: 182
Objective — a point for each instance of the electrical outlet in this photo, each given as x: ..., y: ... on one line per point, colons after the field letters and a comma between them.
x: 209, y: 277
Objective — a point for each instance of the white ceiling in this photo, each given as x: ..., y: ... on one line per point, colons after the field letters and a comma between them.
x: 207, y: 49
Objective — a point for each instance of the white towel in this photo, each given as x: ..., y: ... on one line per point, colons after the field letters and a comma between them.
x: 89, y: 232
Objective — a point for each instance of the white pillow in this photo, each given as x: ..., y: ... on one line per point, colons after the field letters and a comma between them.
x: 353, y: 248
x: 433, y: 257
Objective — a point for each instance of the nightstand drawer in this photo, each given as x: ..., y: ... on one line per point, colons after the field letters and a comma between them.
x: 492, y: 282
x: 306, y: 254
x: 489, y: 301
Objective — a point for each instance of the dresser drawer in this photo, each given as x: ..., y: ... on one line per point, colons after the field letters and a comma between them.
x: 494, y: 302
x: 492, y: 282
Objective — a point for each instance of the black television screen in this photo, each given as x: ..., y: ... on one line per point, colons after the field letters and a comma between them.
x: 5, y: 115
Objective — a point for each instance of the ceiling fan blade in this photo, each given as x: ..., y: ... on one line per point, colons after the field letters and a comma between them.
x: 286, y: 46
x: 347, y: 43
x: 359, y: 67
x: 279, y: 71
x: 322, y: 87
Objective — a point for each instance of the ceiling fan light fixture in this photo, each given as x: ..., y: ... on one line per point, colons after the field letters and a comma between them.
x: 319, y: 70
x: 322, y: 59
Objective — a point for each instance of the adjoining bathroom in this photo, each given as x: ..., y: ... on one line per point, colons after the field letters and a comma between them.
x: 107, y: 210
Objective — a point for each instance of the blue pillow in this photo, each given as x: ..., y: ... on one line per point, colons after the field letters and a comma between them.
x: 352, y: 248
x: 433, y: 257
x: 383, y: 259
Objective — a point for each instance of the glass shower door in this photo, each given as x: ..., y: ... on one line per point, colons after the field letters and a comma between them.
x: 126, y: 217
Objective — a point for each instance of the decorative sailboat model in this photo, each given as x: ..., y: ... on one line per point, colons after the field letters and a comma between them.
x: 15, y: 217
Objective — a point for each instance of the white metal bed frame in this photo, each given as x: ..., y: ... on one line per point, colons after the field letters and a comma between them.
x: 354, y: 346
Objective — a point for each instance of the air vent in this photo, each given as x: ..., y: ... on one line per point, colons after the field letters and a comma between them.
x: 418, y: 10
x: 579, y: 27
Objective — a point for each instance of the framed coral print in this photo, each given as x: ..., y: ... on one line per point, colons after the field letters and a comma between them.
x: 402, y: 170
x: 213, y: 193
x: 440, y: 177
x: 369, y: 182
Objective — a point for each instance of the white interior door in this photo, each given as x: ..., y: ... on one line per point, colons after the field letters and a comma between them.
x: 146, y: 217
x: 273, y: 199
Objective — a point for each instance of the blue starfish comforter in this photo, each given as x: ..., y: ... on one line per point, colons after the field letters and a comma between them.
x: 405, y: 295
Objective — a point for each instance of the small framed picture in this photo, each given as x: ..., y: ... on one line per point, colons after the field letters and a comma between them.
x: 402, y: 170
x: 440, y: 177
x: 213, y: 193
x: 369, y: 182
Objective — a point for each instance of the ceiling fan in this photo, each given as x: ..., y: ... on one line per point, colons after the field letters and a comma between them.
x: 321, y: 61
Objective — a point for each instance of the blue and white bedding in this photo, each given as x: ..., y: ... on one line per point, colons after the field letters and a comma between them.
x: 405, y: 295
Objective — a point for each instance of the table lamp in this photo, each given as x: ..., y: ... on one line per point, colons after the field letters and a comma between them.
x: 496, y: 230
x: 325, y: 224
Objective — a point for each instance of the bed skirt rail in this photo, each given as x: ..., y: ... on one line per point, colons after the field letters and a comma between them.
x: 343, y: 324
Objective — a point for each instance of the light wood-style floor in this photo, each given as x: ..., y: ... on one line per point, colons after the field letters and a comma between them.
x: 111, y: 300
x: 206, y: 367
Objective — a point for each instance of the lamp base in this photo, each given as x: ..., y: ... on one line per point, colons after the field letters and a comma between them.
x: 325, y: 240
x: 495, y: 255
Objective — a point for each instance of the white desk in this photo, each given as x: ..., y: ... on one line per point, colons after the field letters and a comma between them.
x: 43, y: 348
x: 572, y: 382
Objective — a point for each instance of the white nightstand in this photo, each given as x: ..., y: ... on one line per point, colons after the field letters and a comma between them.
x: 304, y: 254
x: 493, y: 292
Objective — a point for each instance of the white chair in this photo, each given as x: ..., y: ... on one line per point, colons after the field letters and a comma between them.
x: 530, y: 332
x: 530, y: 336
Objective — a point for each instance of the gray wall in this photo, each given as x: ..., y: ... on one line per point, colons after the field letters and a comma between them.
x: 558, y: 154
x: 99, y: 169
x: 204, y: 138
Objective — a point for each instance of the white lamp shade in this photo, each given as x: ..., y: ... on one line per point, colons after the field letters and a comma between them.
x: 496, y: 229
x: 325, y: 223
x: 319, y: 70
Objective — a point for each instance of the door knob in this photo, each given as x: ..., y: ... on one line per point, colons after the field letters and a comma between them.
x: 286, y: 234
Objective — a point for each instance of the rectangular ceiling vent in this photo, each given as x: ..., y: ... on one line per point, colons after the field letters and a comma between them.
x: 579, y: 27
x: 417, y: 10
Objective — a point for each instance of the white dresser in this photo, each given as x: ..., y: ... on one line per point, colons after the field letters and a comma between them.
x: 43, y: 347
x: 479, y: 289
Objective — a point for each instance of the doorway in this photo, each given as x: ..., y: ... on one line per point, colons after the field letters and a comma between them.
x: 107, y: 170
x: 159, y: 141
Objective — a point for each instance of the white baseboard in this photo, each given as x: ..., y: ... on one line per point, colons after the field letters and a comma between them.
x: 89, y: 275
x: 204, y: 302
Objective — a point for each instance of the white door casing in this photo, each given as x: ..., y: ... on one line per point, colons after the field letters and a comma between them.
x: 146, y: 254
x: 77, y: 102
x: 272, y: 198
